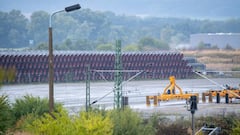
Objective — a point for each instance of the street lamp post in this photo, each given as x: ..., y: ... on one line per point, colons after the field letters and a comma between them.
x: 50, y: 66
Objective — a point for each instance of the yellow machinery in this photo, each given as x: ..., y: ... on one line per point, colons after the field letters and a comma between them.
x: 170, y: 93
x: 230, y: 93
x: 227, y: 91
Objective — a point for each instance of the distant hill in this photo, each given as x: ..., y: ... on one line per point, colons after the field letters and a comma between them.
x: 199, y: 9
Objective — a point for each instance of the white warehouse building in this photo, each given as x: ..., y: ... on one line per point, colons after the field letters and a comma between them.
x: 219, y: 39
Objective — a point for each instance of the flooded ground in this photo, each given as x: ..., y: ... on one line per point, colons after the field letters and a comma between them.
x: 72, y: 95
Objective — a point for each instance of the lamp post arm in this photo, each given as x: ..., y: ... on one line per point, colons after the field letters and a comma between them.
x: 51, y: 16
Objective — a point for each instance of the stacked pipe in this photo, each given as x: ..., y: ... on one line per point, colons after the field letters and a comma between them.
x: 71, y: 67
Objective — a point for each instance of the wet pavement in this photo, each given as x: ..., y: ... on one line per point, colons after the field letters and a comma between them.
x: 72, y: 95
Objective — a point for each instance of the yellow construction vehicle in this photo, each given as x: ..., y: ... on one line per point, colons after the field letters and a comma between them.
x: 227, y: 91
x: 170, y: 92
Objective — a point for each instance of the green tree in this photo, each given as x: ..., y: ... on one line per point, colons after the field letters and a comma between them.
x: 231, y: 25
x: 66, y: 27
x: 66, y: 45
x: 42, y: 46
x: 87, y: 27
x: 84, y: 30
x: 38, y: 27
x: 84, y: 44
x: 178, y: 38
x: 228, y: 47
x: 166, y: 34
x: 131, y: 47
x: 105, y: 47
x: 208, y: 26
x: 215, y: 47
x: 13, y: 31
x: 152, y: 44
x: 96, y: 22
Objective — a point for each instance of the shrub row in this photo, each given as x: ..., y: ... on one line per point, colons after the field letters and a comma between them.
x: 30, y: 114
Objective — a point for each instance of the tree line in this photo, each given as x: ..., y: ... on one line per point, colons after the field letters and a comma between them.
x: 93, y: 30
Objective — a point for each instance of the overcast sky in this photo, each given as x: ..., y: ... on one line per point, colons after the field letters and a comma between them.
x: 160, y: 8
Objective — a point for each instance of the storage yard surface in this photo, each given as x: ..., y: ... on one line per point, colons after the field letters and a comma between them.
x: 72, y: 95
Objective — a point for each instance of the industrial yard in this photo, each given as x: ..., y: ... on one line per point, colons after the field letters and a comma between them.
x: 73, y: 95
x: 121, y: 68
x: 162, y: 83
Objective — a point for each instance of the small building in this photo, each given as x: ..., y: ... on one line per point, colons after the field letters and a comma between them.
x: 221, y: 40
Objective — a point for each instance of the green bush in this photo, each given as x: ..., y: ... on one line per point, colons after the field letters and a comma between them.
x: 166, y: 126
x: 236, y: 129
x: 30, y: 105
x: 225, y: 122
x: 6, y: 117
x: 93, y: 123
x: 24, y: 121
x: 128, y: 122
x: 86, y: 123
x: 59, y: 125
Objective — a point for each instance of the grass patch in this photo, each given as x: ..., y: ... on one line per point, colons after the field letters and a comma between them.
x: 227, y: 60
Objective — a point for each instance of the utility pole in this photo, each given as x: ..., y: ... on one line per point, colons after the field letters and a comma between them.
x: 118, y: 76
x: 88, y: 74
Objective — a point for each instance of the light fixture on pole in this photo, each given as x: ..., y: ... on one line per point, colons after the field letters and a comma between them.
x: 50, y: 66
